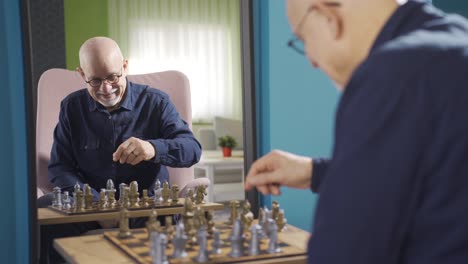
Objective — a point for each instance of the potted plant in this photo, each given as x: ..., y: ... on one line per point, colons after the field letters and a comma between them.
x: 227, y: 143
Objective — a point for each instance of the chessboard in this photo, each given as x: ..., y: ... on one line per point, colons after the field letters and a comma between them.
x: 96, y: 209
x: 137, y: 247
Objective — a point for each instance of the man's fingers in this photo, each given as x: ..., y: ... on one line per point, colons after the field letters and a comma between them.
x: 120, y: 150
x: 137, y: 160
x: 264, y: 178
x: 263, y: 189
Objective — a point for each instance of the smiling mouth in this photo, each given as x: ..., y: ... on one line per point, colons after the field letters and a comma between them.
x: 108, y: 95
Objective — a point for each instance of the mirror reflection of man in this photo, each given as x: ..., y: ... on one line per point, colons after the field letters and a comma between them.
x: 396, y: 187
x: 113, y: 129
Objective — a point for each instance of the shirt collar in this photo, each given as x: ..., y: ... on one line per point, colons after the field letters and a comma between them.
x: 396, y: 25
x: 127, y: 103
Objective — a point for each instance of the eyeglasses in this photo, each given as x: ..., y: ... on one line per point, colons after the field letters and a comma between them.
x: 296, y: 43
x: 111, y: 79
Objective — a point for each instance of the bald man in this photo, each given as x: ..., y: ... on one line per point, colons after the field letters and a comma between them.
x: 114, y: 129
x: 396, y: 187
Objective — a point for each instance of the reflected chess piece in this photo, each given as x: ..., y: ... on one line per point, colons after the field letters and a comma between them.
x: 237, y: 240
x: 158, y: 244
x: 273, y: 245
x: 202, y: 256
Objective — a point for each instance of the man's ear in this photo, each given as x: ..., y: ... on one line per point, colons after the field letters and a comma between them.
x: 125, y: 66
x: 80, y: 71
x: 333, y: 18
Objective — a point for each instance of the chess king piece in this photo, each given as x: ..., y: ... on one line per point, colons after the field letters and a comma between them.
x: 275, y: 209
x: 153, y: 225
x: 234, y: 213
x: 57, y: 201
x: 66, y: 201
x: 121, y: 192
x: 246, y: 216
x: 217, y: 242
x: 210, y: 222
x: 200, y: 196
x: 145, y: 198
x: 166, y: 192
x: 175, y: 193
x: 158, y: 244
x: 281, y: 221
x: 157, y: 192
x: 237, y: 240
x: 179, y: 241
x: 124, y: 230
x: 202, y: 256
x: 88, y: 196
x: 102, y: 199
x: 133, y: 196
x: 254, y: 246
x: 273, y: 245
x: 169, y: 227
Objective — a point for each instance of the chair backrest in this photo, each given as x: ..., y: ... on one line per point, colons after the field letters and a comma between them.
x: 55, y: 84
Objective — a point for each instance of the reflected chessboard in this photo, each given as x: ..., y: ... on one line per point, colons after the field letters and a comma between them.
x: 96, y: 209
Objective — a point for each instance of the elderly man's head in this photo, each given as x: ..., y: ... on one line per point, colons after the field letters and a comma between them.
x: 338, y: 34
x: 104, y: 69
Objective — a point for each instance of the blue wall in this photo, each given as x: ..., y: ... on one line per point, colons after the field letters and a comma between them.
x: 14, y: 234
x: 296, y: 104
x: 453, y: 6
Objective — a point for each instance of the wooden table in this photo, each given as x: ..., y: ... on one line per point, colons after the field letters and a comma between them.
x: 46, y: 216
x: 96, y: 249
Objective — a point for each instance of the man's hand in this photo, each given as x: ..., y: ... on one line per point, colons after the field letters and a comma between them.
x: 279, y: 168
x: 134, y: 151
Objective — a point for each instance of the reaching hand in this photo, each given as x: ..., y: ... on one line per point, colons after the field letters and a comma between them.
x: 134, y: 151
x: 279, y: 168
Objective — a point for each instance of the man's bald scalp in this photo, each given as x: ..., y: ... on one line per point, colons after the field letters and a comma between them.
x: 99, y: 49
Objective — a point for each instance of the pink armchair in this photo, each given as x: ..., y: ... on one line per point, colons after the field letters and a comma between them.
x: 56, y: 84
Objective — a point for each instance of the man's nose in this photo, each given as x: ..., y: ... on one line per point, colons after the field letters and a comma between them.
x: 105, y: 87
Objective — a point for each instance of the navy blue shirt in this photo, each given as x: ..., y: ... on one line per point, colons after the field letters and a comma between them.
x: 87, y: 135
x: 396, y: 188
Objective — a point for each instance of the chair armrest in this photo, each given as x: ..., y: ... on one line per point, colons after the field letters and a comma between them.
x: 207, y: 138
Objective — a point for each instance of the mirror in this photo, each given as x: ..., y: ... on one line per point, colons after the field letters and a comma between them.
x: 54, y: 30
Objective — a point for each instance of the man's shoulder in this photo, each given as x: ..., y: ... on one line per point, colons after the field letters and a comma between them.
x: 149, y: 92
x: 75, y: 96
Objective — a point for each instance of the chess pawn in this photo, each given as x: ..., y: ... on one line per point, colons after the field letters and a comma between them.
x: 274, y: 210
x: 145, y: 199
x: 88, y: 197
x: 254, y: 246
x: 79, y: 201
x: 191, y: 231
x: 273, y: 245
x: 75, y: 189
x: 125, y: 200
x: 124, y: 230
x: 102, y: 199
x: 166, y: 192
x: 134, y: 195
x: 247, y: 215
x: 234, y: 213
x: 217, y: 242
x: 202, y: 244
x: 66, y: 201
x: 158, y: 246
x: 111, y: 198
x: 210, y: 222
x: 57, y: 202
x: 281, y: 221
x: 237, y: 240
x: 110, y: 185
x: 200, y: 196
x: 121, y: 192
x: 153, y: 225
x: 169, y: 227
x: 190, y: 195
x: 175, y: 193
x: 179, y: 241
x: 157, y: 192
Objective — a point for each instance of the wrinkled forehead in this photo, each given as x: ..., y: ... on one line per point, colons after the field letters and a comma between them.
x: 101, y: 66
